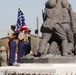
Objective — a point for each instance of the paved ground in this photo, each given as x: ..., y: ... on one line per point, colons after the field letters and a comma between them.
x: 58, y: 69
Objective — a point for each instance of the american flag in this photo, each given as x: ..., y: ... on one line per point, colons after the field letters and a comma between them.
x: 21, y: 25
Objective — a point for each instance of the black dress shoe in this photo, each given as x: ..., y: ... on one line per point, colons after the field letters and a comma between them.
x: 10, y: 64
x: 37, y: 55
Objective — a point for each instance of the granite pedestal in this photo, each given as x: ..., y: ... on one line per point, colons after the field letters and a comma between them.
x: 48, y: 59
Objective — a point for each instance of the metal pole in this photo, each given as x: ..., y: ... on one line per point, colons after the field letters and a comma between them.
x: 38, y: 32
x: 37, y: 27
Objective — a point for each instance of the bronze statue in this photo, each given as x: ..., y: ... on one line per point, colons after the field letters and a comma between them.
x: 52, y: 24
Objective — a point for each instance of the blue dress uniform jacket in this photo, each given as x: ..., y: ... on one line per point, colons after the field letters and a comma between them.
x: 21, y: 50
x: 12, y: 47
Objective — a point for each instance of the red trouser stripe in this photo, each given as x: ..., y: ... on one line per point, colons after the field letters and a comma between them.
x: 18, y: 54
x: 10, y: 51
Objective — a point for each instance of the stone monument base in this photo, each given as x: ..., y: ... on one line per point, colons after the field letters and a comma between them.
x: 48, y: 59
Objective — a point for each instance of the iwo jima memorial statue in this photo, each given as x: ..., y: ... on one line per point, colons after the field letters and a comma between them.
x: 59, y: 30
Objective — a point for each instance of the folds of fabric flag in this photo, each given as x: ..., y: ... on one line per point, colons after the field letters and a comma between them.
x: 21, y: 26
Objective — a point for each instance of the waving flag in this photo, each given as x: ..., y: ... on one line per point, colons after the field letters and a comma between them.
x: 21, y: 26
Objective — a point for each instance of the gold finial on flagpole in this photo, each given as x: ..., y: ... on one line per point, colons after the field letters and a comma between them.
x: 19, y: 4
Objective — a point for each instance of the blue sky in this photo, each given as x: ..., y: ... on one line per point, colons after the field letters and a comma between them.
x: 30, y: 8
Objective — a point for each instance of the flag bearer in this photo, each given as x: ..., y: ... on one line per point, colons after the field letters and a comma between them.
x: 21, y: 46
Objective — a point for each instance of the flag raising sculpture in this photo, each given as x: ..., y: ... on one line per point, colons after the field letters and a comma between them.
x: 21, y: 25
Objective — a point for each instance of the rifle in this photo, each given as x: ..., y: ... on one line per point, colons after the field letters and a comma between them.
x: 71, y: 19
x: 71, y: 24
x: 42, y: 15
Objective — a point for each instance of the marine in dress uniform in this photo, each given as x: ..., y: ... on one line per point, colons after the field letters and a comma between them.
x: 21, y: 46
x: 12, y: 47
